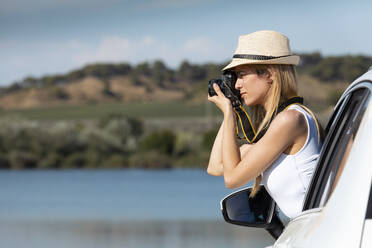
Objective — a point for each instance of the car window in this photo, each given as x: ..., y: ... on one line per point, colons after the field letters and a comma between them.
x: 345, y: 140
x: 369, y: 206
x: 342, y: 128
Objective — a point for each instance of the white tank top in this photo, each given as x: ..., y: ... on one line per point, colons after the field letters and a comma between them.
x: 288, y: 178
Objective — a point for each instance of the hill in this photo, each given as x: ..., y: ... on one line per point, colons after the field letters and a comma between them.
x: 88, y: 90
x: 321, y: 80
x: 147, y: 116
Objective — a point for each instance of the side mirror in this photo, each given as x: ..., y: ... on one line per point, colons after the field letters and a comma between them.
x: 239, y: 209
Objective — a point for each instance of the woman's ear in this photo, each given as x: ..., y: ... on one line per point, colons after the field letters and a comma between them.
x: 269, y: 74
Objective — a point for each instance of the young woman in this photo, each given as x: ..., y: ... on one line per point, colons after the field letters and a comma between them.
x: 284, y: 158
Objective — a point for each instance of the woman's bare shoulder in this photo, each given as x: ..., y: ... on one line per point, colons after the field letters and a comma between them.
x: 290, y: 117
x: 291, y: 120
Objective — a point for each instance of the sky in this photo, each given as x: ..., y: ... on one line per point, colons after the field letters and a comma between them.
x: 46, y: 37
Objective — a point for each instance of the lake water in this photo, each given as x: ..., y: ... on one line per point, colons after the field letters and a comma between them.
x: 117, y: 208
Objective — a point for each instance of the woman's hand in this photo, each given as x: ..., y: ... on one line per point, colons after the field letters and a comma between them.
x: 222, y: 102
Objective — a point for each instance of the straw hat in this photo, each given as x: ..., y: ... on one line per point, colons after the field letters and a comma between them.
x: 263, y: 47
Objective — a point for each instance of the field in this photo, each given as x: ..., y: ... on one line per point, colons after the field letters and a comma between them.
x: 162, y: 135
x: 99, y: 111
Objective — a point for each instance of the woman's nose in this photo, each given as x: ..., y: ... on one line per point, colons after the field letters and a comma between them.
x: 238, y: 84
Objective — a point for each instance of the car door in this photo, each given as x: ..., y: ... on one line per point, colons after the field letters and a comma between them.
x: 335, y: 207
x: 367, y: 229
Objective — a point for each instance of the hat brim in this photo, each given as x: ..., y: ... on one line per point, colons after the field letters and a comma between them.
x: 289, y: 60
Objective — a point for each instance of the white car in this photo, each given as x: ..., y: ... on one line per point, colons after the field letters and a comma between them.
x: 337, y: 211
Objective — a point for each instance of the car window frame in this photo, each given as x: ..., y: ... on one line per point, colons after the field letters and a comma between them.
x: 322, y: 172
x: 369, y: 205
x: 308, y: 203
x: 350, y: 128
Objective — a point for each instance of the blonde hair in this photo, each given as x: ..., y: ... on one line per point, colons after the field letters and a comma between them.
x: 283, y: 87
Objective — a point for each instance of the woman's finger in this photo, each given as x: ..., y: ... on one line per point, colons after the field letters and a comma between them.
x: 212, y: 98
x: 217, y: 89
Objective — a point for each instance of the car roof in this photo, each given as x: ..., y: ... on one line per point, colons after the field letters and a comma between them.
x: 366, y: 77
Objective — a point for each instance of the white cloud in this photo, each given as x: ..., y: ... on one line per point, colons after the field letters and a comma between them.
x: 202, y: 47
x: 24, y: 58
x: 110, y: 49
x: 115, y: 49
x: 37, y: 59
x: 119, y: 49
x: 148, y: 40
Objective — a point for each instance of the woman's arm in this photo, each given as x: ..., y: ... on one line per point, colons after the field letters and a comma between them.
x: 215, y: 166
x: 240, y: 169
x: 282, y: 133
x: 230, y: 152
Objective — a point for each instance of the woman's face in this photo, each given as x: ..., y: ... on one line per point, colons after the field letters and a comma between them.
x: 253, y: 87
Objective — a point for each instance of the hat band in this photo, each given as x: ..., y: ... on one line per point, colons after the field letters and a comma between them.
x: 257, y: 57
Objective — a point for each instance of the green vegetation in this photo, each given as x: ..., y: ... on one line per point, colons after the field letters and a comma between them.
x: 329, y: 69
x: 157, y: 71
x: 97, y: 111
x: 113, y: 134
x: 113, y: 142
x: 96, y: 70
x: 334, y: 68
x: 161, y: 141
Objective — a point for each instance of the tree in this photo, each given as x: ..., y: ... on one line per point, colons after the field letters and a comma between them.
x: 162, y: 141
x: 161, y: 73
x: 143, y: 69
x: 191, y: 72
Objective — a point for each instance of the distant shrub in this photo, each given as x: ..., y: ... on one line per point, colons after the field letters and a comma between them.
x: 197, y: 159
x: 135, y: 79
x: 107, y: 89
x: 51, y: 160
x: 4, y: 162
x: 93, y: 159
x: 22, y: 160
x: 115, y: 161
x: 117, y: 142
x: 186, y: 143
x: 102, y: 142
x: 192, y: 72
x: 136, y: 126
x: 59, y: 93
x: 162, y: 141
x: 142, y: 69
x: 122, y: 126
x: 344, y: 68
x: 149, y: 160
x: 208, y: 139
x: 75, y: 160
x: 68, y: 143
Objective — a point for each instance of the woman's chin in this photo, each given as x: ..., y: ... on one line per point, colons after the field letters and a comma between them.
x: 246, y: 101
x: 249, y: 103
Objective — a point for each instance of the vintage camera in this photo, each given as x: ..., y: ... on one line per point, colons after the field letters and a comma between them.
x: 227, y: 86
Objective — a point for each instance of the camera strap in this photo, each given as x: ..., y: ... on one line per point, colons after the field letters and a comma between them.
x: 244, y: 122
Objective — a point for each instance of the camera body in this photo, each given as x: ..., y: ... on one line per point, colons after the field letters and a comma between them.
x: 227, y: 86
